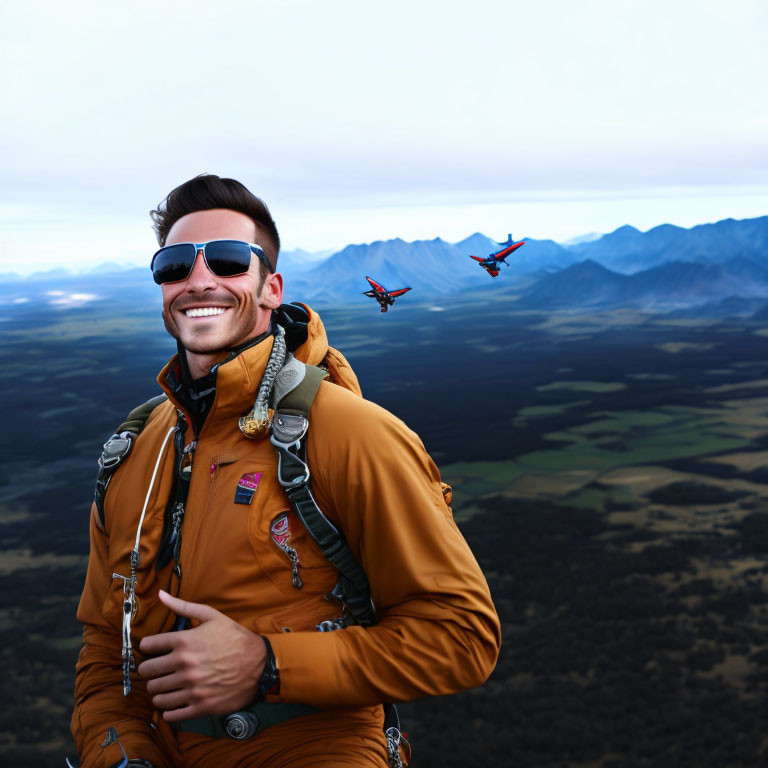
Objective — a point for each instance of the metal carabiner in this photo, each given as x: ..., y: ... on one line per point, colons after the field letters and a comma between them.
x: 284, y: 452
x: 130, y: 608
x: 111, y: 739
x: 393, y: 747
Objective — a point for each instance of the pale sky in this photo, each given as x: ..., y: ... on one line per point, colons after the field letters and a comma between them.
x: 359, y: 122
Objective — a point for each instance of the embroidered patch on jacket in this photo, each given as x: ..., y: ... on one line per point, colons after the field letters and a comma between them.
x: 280, y: 531
x: 246, y: 487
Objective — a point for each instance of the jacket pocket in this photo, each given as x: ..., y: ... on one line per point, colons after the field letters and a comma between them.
x: 285, y: 550
x: 280, y: 531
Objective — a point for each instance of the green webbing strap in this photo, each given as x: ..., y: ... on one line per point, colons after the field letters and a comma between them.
x: 266, y: 714
x: 133, y: 424
x: 300, y: 399
x: 137, y: 418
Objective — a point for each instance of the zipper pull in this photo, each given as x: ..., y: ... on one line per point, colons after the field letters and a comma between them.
x: 295, y: 578
x: 174, y: 540
x: 281, y: 535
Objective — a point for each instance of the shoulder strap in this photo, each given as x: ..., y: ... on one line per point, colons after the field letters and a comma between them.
x: 295, y: 389
x: 117, y: 448
x: 137, y: 418
x: 292, y: 402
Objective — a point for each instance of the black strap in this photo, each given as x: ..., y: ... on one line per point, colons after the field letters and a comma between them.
x: 263, y: 715
x: 354, y: 582
x: 170, y: 541
x: 295, y: 478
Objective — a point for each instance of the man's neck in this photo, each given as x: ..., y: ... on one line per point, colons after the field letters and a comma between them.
x: 200, y: 364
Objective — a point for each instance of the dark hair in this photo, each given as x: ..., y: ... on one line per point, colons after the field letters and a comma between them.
x: 208, y: 191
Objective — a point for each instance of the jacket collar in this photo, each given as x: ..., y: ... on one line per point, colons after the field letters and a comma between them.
x: 237, y: 381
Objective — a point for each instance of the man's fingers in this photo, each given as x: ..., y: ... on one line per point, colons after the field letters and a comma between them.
x: 162, y: 643
x: 197, y: 611
x: 166, y: 683
x: 157, y: 666
x: 172, y: 700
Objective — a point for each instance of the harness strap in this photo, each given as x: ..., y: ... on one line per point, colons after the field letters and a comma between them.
x: 117, y: 448
x: 294, y: 395
x: 354, y: 583
x: 137, y: 418
x: 299, y: 398
x: 295, y: 391
x: 247, y: 722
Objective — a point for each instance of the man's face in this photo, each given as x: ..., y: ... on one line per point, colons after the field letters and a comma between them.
x: 238, y: 307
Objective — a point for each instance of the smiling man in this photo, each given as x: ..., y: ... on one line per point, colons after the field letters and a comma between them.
x: 273, y: 558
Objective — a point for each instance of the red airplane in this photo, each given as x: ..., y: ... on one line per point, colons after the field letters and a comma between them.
x: 493, y: 261
x: 382, y: 295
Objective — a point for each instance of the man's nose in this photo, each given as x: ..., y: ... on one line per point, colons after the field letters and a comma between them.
x: 200, y: 278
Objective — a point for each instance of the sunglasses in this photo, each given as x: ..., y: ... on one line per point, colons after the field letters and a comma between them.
x: 225, y: 258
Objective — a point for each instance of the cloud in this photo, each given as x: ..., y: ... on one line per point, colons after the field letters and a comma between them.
x: 68, y: 300
x: 351, y: 101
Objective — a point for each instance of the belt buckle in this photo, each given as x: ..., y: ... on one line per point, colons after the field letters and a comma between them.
x: 241, y: 725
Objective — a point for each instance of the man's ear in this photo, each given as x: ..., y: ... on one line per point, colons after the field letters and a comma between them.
x: 271, y: 296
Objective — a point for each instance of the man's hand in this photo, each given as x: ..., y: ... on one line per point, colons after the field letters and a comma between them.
x: 211, y: 669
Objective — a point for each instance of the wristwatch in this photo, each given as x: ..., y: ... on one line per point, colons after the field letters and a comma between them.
x: 269, y: 682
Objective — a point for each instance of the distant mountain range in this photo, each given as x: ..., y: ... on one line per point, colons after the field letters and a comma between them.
x: 718, y: 267
x: 672, y: 285
x: 666, y: 268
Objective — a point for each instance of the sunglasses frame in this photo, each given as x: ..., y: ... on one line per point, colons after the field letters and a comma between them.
x: 254, y: 247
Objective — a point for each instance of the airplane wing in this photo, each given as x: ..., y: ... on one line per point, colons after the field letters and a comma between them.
x: 376, y: 287
x: 476, y: 258
x: 504, y: 252
x: 399, y: 292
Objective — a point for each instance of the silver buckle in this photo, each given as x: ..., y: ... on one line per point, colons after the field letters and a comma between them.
x: 286, y: 448
x: 241, y: 725
x: 289, y: 427
x: 116, y: 449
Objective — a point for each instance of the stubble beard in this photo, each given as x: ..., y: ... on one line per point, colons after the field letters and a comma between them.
x: 220, y: 340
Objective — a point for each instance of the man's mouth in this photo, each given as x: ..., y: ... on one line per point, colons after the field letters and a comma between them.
x: 204, y: 311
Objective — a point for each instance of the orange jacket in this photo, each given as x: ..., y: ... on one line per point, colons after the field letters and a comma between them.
x: 438, y: 632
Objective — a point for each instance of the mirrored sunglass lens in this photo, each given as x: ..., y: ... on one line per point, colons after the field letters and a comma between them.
x: 173, y: 263
x: 227, y: 258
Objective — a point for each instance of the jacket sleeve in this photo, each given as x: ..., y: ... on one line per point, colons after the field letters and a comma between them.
x: 437, y: 630
x: 99, y: 700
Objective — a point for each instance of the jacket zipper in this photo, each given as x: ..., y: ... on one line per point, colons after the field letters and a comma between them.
x: 281, y: 540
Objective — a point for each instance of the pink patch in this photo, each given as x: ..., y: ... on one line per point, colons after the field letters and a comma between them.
x: 280, y: 530
x: 249, y: 480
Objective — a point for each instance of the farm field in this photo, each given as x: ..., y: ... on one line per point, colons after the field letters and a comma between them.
x: 609, y: 471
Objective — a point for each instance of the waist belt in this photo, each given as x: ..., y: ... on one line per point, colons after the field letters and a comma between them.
x: 247, y: 722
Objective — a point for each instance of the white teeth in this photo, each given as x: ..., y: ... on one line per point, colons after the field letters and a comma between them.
x: 204, y: 311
